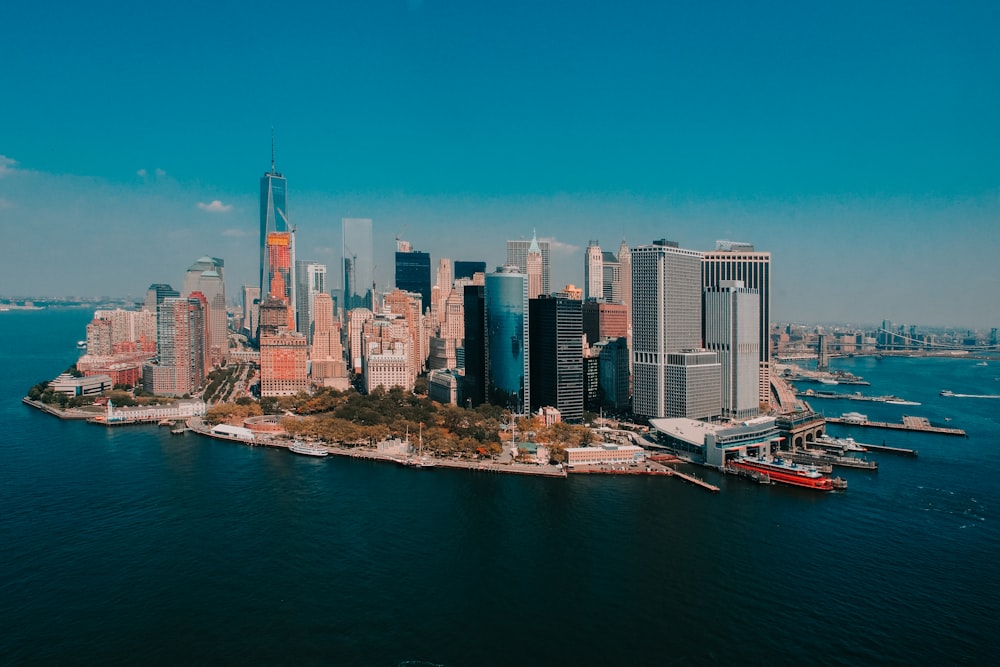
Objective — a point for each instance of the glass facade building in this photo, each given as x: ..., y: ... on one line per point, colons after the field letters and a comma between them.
x: 273, y: 219
x: 413, y: 274
x: 466, y: 269
x: 507, y: 352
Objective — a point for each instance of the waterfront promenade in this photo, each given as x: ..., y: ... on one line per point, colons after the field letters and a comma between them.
x: 198, y: 426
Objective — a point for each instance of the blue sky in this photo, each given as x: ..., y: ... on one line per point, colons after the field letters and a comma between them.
x: 859, y: 144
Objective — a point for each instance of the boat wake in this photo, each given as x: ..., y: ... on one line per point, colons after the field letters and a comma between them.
x: 951, y: 394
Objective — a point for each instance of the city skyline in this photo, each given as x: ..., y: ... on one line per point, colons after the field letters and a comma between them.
x: 856, y: 173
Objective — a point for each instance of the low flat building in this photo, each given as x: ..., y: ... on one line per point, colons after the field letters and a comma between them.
x: 607, y: 453
x: 230, y: 431
x: 82, y: 386
x: 178, y: 410
x: 714, y: 444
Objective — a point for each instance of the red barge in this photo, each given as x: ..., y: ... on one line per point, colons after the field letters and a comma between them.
x: 781, y: 472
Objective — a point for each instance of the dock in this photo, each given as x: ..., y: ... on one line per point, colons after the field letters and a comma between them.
x: 820, y: 458
x: 891, y: 450
x: 919, y: 424
x: 697, y: 481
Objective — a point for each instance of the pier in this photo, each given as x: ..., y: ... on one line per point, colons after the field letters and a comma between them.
x: 919, y: 424
x: 812, y: 457
x: 891, y: 450
x: 697, y: 481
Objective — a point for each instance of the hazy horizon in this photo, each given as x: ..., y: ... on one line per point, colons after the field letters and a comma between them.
x: 855, y: 143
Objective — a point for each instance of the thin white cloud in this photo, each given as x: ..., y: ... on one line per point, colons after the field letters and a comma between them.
x: 142, y: 173
x: 5, y: 203
x: 236, y: 233
x: 160, y: 173
x: 559, y: 246
x: 215, y: 206
x: 7, y: 165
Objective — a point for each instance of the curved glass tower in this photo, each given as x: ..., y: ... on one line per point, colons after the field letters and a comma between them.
x: 507, y: 350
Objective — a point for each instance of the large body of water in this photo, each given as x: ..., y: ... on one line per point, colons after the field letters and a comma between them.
x: 132, y: 545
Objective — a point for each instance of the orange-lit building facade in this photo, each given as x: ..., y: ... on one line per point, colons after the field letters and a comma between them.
x: 283, y: 364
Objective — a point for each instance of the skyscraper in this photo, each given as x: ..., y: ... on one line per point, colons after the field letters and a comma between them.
x: 444, y: 282
x: 604, y: 320
x: 604, y: 273
x: 614, y: 374
x: 283, y: 363
x: 359, y: 263
x: 739, y: 261
x: 310, y: 280
x: 277, y: 245
x: 533, y: 264
x: 155, y: 295
x: 593, y: 272
x: 666, y: 318
x: 207, y: 276
x: 517, y: 255
x: 555, y: 332
x: 180, y: 336
x: 467, y: 269
x: 251, y: 310
x: 474, y: 344
x: 413, y: 274
x: 327, y: 354
x: 625, y: 262
x: 732, y: 324
x: 508, y: 369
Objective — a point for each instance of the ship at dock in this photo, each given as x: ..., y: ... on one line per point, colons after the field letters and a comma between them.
x: 306, y: 449
x: 839, y: 445
x: 778, y: 471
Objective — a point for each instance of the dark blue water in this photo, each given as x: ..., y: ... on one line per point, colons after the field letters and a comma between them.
x: 132, y: 545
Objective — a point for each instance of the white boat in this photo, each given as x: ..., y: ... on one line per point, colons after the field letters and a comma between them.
x: 845, y: 444
x: 900, y: 401
x: 307, y: 449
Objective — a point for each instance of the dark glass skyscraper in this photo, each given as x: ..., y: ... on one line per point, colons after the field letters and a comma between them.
x: 474, y: 385
x: 556, y: 335
x: 413, y: 274
x: 466, y: 269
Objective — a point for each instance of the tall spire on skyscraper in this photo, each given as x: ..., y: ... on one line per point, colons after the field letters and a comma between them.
x: 272, y: 151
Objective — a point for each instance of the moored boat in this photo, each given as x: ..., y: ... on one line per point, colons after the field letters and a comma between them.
x: 854, y: 418
x: 838, y: 444
x: 783, y: 472
x: 307, y: 449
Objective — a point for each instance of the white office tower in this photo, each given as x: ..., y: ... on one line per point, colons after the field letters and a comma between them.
x: 310, y: 280
x: 666, y: 318
x: 738, y: 261
x: 732, y: 324
x: 593, y: 272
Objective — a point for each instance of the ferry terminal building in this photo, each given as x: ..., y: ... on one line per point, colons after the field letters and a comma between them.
x: 714, y: 444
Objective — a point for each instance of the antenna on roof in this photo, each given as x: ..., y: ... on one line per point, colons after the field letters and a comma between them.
x: 272, y: 149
